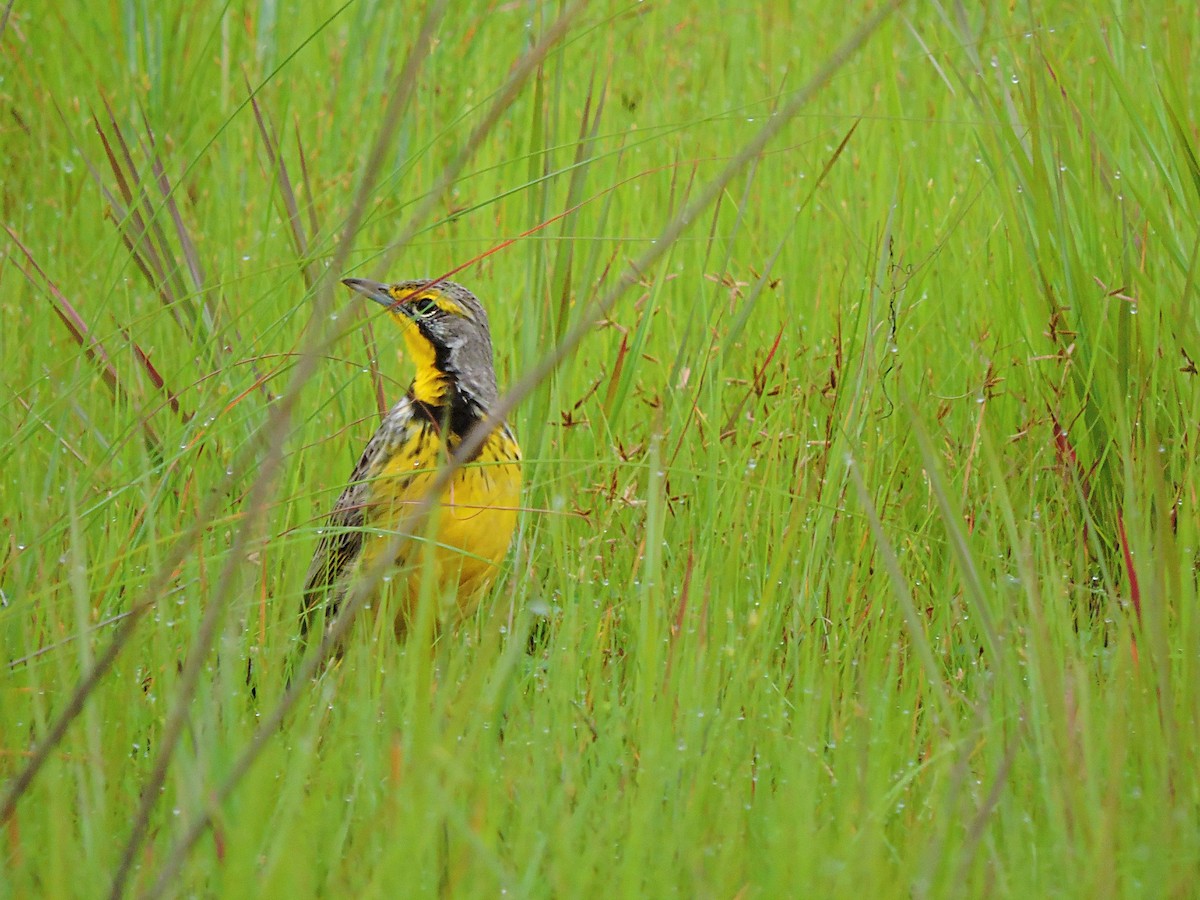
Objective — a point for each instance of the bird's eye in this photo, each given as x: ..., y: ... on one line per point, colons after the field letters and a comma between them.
x: 424, y: 307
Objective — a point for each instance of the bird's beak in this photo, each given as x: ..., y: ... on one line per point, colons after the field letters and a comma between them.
x: 374, y: 290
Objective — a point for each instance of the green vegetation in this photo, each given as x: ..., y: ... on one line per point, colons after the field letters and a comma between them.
x: 859, y: 556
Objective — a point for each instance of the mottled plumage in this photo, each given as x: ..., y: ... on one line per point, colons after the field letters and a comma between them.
x: 446, y: 333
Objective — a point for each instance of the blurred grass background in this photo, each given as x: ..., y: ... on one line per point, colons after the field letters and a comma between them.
x: 860, y: 544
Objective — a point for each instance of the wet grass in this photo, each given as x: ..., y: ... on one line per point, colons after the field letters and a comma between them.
x: 859, y: 551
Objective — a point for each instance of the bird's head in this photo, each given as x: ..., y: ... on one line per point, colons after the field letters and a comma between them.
x: 446, y: 331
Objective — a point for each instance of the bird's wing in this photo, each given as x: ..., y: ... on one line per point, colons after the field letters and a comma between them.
x: 341, y: 541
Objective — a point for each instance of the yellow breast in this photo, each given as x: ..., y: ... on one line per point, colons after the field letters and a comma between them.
x: 470, y: 528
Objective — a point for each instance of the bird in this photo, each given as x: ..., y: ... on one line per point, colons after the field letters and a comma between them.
x: 446, y: 333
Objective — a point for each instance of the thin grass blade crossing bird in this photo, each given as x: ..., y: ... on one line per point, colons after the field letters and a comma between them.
x: 446, y: 334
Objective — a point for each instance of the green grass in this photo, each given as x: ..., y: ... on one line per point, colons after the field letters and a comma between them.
x: 859, y: 556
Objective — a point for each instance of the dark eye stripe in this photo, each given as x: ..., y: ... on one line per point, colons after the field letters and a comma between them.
x: 426, y: 306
